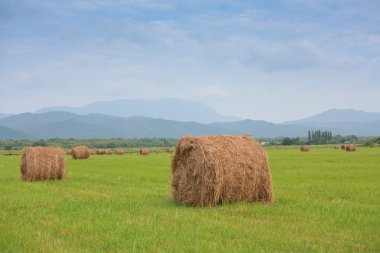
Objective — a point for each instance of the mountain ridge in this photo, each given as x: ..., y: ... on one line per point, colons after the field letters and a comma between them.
x: 171, y: 109
x: 100, y: 126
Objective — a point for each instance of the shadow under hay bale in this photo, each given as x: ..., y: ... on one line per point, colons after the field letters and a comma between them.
x: 350, y: 148
x: 218, y: 169
x: 304, y: 149
x: 144, y: 151
x: 119, y: 151
x: 80, y: 152
x: 43, y: 163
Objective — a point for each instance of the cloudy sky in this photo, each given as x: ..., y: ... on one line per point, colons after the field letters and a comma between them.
x: 270, y: 60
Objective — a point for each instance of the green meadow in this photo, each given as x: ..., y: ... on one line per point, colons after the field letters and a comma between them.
x: 326, y: 201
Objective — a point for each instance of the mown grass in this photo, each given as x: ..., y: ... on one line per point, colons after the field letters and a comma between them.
x: 326, y: 201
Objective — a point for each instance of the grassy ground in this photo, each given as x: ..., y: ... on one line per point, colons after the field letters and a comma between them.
x: 326, y: 201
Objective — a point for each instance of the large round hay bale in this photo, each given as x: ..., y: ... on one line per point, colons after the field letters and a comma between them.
x: 304, y: 148
x: 144, y: 151
x: 119, y: 151
x: 217, y: 169
x: 350, y: 148
x: 42, y: 163
x: 80, y: 152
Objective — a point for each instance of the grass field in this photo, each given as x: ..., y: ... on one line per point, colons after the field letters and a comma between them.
x: 326, y: 201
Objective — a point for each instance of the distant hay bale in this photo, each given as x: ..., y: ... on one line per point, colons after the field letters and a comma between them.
x: 100, y: 152
x: 343, y: 147
x: 170, y: 150
x: 144, y: 151
x: 218, y: 169
x: 305, y: 149
x: 104, y: 152
x: 119, y: 151
x: 80, y: 152
x: 350, y: 148
x: 68, y: 152
x: 42, y: 163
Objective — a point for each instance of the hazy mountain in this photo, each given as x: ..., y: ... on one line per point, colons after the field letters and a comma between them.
x: 10, y: 133
x: 344, y: 122
x: 335, y: 116
x: 171, y: 109
x: 69, y: 125
x: 4, y: 115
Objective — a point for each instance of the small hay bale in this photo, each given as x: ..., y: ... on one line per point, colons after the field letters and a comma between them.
x: 305, y: 149
x: 218, y: 169
x: 144, y: 151
x: 343, y: 147
x: 170, y: 150
x: 42, y: 163
x: 100, y: 151
x: 80, y: 152
x: 119, y: 151
x: 350, y: 148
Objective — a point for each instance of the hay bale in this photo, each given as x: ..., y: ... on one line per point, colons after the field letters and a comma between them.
x: 305, y: 148
x: 42, y: 163
x: 350, y: 148
x: 100, y: 151
x: 104, y: 152
x: 144, y: 151
x: 343, y: 147
x: 119, y: 151
x: 80, y: 152
x: 217, y: 169
x: 170, y: 150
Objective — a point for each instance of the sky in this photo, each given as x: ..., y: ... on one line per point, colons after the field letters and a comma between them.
x: 266, y: 60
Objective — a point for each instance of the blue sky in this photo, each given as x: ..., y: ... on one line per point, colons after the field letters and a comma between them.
x: 271, y: 60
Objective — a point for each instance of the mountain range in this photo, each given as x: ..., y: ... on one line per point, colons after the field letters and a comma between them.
x: 62, y: 124
x: 170, y: 109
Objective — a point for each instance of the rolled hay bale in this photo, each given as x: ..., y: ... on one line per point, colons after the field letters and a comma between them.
x: 119, y: 151
x: 350, y: 148
x: 108, y: 151
x: 100, y: 151
x: 218, y: 169
x: 144, y: 151
x: 68, y: 152
x: 343, y: 147
x: 80, y: 152
x: 170, y: 150
x: 42, y: 163
x: 304, y: 149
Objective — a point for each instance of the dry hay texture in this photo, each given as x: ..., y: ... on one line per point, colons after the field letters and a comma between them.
x: 80, y: 152
x: 218, y: 169
x: 305, y: 149
x: 144, y: 151
x: 42, y: 163
x: 350, y: 148
x: 119, y: 151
